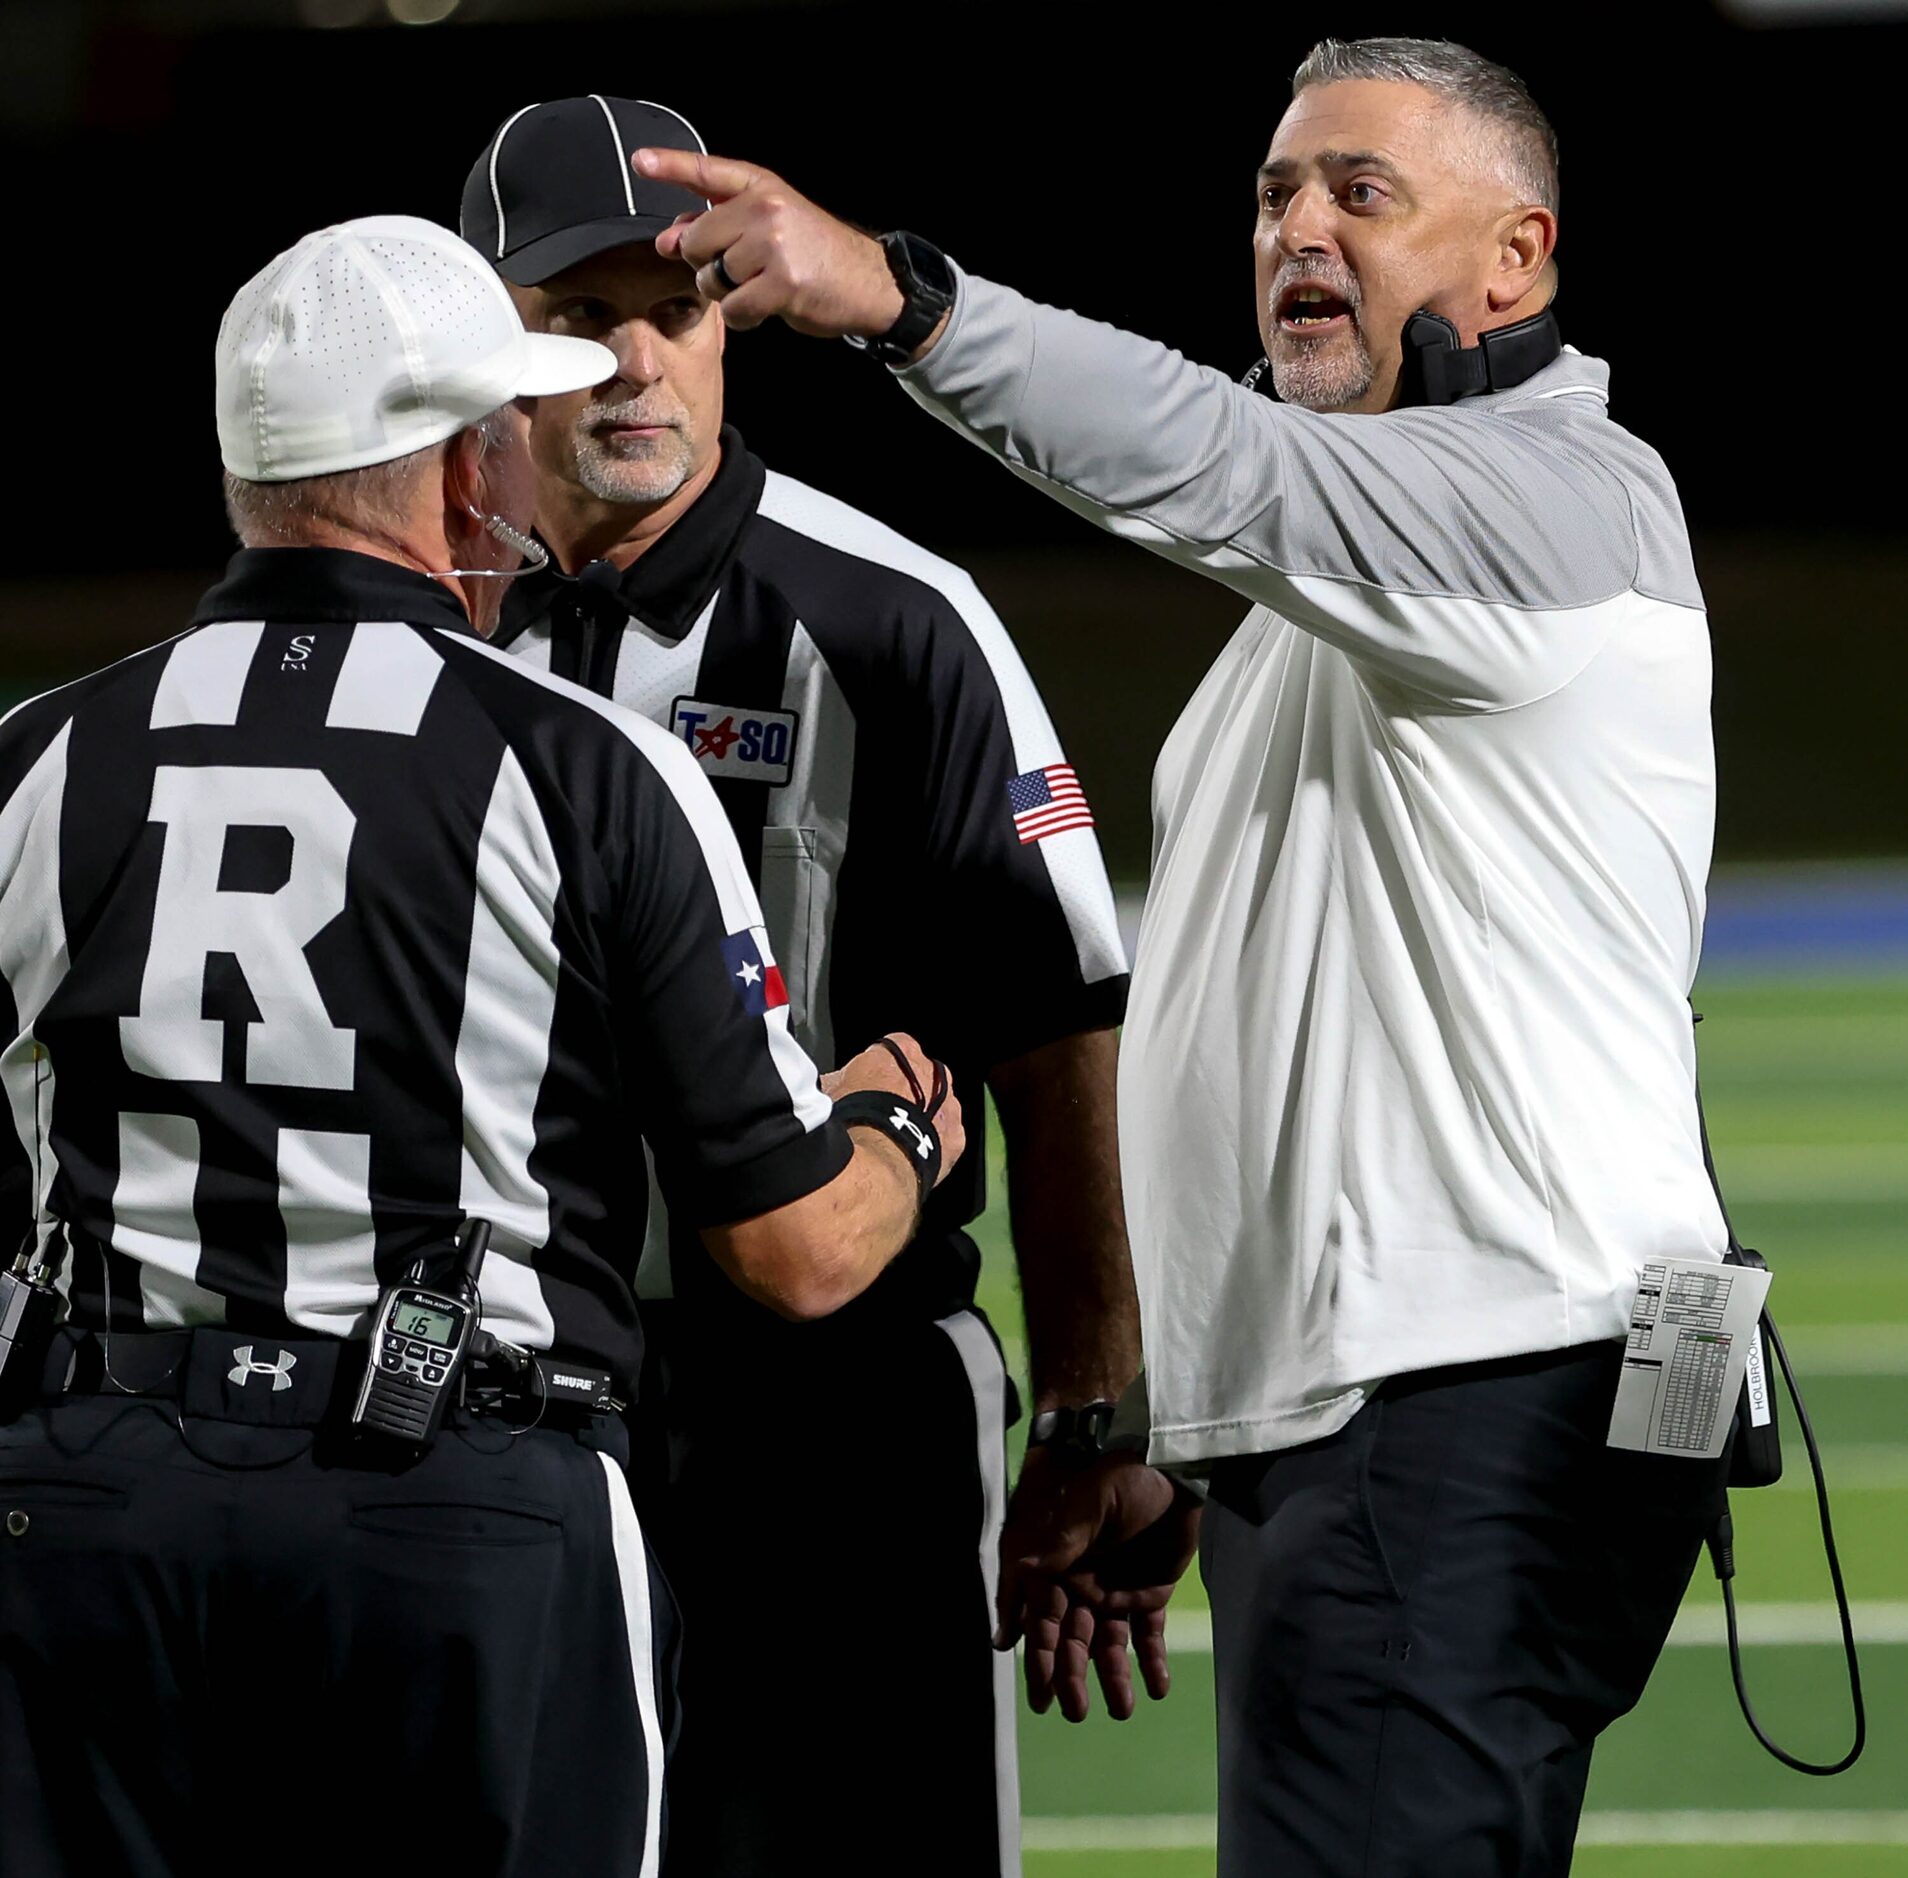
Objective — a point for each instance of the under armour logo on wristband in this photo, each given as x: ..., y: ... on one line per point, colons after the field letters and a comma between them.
x: 243, y: 1366
x: 899, y: 1121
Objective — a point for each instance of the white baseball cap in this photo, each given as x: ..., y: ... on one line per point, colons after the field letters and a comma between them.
x: 373, y: 339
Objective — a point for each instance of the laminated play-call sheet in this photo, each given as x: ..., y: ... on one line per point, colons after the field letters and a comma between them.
x: 1691, y: 1335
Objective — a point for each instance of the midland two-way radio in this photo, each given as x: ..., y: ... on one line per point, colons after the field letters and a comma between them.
x: 420, y: 1335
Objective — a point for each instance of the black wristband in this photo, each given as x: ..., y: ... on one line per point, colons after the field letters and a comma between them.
x: 909, y: 1127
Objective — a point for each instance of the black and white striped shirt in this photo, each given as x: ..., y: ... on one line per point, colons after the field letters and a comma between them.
x: 324, y: 925
x: 862, y: 715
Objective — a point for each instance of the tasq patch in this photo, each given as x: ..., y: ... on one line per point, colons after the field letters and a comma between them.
x: 736, y: 741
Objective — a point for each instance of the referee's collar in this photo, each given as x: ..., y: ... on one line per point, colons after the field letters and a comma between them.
x: 328, y: 584
x: 668, y: 585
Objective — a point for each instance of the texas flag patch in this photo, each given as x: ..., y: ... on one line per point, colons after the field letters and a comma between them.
x: 753, y: 971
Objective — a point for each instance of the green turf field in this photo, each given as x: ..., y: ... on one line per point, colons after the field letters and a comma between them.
x: 1807, y: 1086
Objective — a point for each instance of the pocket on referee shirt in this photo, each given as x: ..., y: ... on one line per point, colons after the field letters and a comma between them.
x: 789, y: 867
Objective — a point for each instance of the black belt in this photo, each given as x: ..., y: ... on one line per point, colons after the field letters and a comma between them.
x: 221, y: 1374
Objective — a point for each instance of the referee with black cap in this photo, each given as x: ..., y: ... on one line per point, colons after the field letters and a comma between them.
x: 328, y: 937
x: 875, y: 741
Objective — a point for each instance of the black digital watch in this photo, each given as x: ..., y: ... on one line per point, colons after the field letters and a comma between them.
x: 926, y: 281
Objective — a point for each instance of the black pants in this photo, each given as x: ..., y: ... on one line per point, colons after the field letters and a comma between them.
x: 221, y: 1652
x: 830, y: 1520
x: 1422, y: 1623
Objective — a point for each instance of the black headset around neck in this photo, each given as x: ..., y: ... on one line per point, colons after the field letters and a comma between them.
x: 1437, y: 370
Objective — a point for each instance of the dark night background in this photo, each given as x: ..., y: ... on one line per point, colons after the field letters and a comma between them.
x: 1731, y: 197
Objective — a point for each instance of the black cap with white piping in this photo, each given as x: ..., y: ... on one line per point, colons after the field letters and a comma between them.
x: 554, y: 185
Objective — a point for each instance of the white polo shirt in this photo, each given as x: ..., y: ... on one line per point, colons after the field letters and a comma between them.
x: 1407, y: 1077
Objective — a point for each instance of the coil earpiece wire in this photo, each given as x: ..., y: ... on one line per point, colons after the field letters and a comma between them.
x: 536, y: 557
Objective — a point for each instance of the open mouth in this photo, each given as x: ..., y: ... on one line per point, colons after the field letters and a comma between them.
x: 1310, y: 310
x: 624, y: 434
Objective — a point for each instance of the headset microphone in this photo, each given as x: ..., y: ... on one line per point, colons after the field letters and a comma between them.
x: 536, y: 557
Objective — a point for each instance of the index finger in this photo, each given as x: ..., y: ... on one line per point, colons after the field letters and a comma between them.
x: 718, y: 178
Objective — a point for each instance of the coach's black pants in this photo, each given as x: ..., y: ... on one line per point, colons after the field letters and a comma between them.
x: 831, y: 1520
x: 1422, y: 1623
x: 219, y: 1653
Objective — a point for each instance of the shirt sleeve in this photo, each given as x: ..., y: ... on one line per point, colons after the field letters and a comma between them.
x: 1471, y: 555
x: 1017, y: 913
x: 728, y: 1100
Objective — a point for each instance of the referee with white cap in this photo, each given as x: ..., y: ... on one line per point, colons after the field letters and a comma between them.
x: 342, y: 960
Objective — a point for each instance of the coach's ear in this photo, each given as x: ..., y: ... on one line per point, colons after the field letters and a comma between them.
x: 464, y: 504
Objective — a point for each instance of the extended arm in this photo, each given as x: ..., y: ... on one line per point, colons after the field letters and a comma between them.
x: 1473, y: 555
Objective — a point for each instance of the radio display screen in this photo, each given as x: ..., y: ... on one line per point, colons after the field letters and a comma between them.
x: 414, y: 1320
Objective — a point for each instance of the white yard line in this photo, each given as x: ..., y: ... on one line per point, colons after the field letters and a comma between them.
x: 1700, y: 1626
x: 1878, y: 1622
x: 1133, y: 1832
x: 1799, y: 1826
x: 1197, y: 1832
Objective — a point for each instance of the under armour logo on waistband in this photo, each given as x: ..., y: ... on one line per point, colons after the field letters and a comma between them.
x: 243, y: 1366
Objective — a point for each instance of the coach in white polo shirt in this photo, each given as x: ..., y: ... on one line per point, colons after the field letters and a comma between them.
x: 1406, y: 1097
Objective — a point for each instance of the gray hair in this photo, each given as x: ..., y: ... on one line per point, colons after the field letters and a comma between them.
x: 376, y: 499
x: 1492, y: 93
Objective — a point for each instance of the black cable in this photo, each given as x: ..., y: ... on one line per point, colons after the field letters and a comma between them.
x: 907, y: 1070
x: 1723, y: 1557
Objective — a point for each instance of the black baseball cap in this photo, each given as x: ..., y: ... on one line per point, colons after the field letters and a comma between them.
x: 555, y: 185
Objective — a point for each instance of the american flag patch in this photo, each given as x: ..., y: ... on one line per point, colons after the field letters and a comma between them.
x: 1048, y: 802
